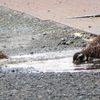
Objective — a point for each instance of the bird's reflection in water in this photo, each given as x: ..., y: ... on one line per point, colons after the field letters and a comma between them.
x: 93, y: 65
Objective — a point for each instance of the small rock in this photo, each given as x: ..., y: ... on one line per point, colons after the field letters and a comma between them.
x: 91, y: 35
x: 43, y: 46
x: 88, y: 37
x: 72, y: 36
x: 69, y: 31
x: 28, y: 3
x: 31, y: 52
x: 64, y: 42
x: 84, y: 44
x: 32, y: 38
x: 4, y: 46
x: 48, y: 10
x: 77, y: 37
x: 13, y: 70
x: 45, y: 33
x: 4, y: 3
x: 83, y: 33
x: 21, y: 46
x: 60, y: 2
x: 71, y: 41
x: 63, y: 39
x: 82, y: 41
x: 68, y: 43
x: 65, y: 27
x: 89, y: 26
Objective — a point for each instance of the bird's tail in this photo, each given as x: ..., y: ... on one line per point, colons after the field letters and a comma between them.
x: 3, y: 56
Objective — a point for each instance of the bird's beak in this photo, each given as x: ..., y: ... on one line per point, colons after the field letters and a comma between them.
x: 76, y: 62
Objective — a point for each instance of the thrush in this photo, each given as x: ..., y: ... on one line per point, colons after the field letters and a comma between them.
x: 88, y: 53
x: 3, y: 56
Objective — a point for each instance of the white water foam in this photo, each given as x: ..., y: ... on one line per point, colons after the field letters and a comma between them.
x: 44, y: 62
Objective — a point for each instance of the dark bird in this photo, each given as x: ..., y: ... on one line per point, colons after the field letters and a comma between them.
x: 88, y: 53
x: 3, y: 56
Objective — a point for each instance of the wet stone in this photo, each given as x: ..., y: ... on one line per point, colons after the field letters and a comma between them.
x: 63, y: 39
x: 77, y: 37
x: 48, y: 10
x: 32, y: 38
x: 71, y: 41
x: 83, y: 41
x: 72, y: 36
x: 45, y: 33
x: 4, y: 46
x: 89, y: 26
x: 83, y: 45
x: 4, y: 3
x: 88, y: 37
x: 43, y: 46
x: 83, y: 33
x: 31, y: 52
x: 13, y: 71
x: 68, y: 43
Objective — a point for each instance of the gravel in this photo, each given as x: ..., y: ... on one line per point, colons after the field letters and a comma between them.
x: 50, y: 86
x: 21, y: 33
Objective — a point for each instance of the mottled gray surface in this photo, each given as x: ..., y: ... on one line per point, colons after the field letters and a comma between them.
x: 21, y: 33
x: 24, y: 34
x: 50, y: 86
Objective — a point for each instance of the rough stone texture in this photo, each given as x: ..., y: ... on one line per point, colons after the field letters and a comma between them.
x: 22, y: 33
x: 50, y: 86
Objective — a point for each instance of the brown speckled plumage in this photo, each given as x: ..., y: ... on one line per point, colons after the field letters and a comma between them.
x: 91, y: 51
x: 3, y: 56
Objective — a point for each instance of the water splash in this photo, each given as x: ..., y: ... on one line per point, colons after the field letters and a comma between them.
x: 45, y: 62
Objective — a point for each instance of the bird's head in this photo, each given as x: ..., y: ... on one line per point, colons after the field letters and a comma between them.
x: 79, y: 58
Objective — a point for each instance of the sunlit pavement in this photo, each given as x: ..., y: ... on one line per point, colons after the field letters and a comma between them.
x: 60, y: 9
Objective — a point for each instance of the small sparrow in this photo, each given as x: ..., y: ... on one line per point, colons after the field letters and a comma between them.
x: 88, y: 53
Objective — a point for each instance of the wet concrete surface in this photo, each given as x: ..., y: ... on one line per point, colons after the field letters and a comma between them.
x: 43, y: 62
x: 47, y: 62
x: 58, y: 10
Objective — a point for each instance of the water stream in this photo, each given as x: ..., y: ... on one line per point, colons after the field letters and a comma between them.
x: 46, y: 62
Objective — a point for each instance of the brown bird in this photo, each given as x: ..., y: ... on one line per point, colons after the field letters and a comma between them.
x: 88, y: 53
x: 3, y: 56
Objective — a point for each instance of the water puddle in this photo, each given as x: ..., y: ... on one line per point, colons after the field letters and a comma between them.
x: 46, y: 62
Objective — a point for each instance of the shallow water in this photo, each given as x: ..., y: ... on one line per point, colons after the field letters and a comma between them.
x: 46, y: 62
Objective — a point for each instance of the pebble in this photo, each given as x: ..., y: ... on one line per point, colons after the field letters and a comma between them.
x: 68, y: 42
x: 77, y: 37
x: 50, y: 86
x: 49, y: 11
x: 45, y: 33
x: 32, y: 52
x: 32, y: 38
x: 89, y: 26
x: 72, y: 36
x: 4, y: 46
x: 83, y: 45
x: 4, y: 3
x: 62, y: 39
x: 83, y: 33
